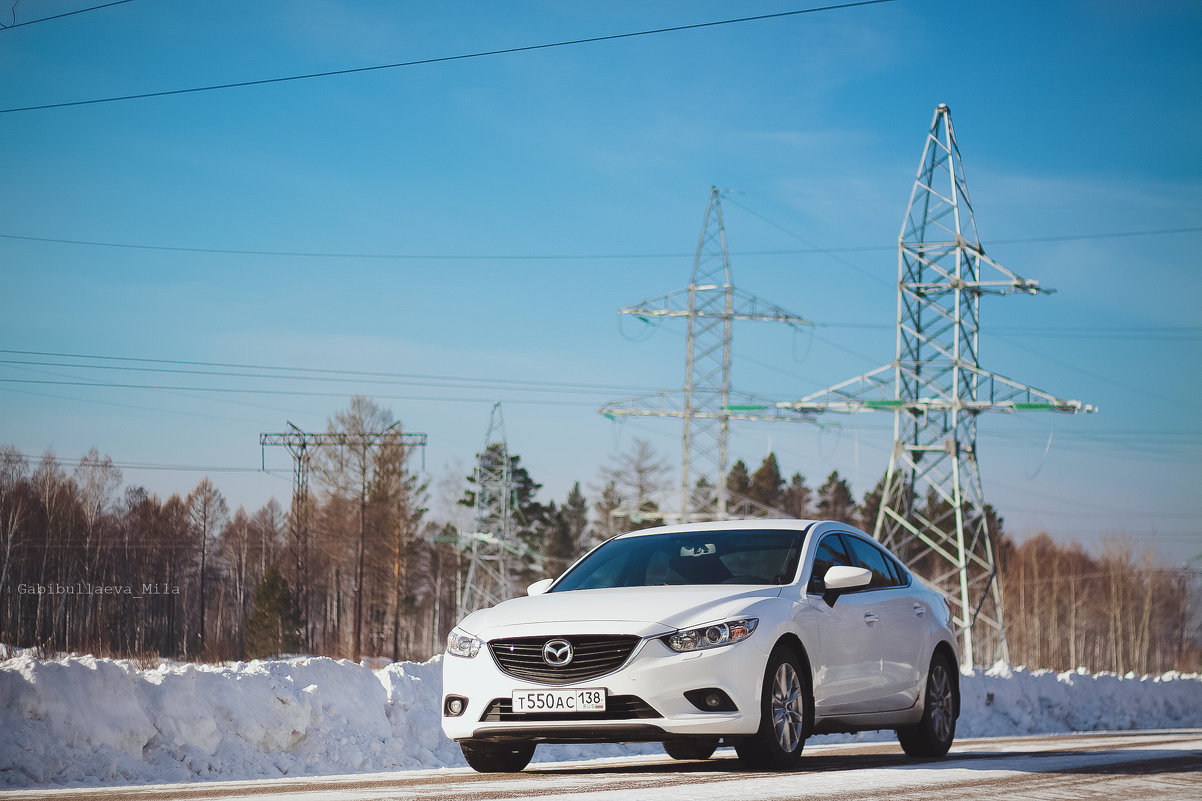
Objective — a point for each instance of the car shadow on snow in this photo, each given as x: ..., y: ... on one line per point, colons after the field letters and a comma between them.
x: 1116, y: 761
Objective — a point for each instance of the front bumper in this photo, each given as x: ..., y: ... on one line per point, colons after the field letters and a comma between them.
x: 645, y: 697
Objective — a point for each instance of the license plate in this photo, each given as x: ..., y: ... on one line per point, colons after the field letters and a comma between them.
x: 591, y: 699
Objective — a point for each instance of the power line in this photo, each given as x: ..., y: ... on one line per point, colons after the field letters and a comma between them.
x: 154, y: 409
x: 871, y: 275
x: 443, y: 59
x: 284, y: 392
x: 1166, y: 332
x: 382, y: 256
x: 1038, y: 239
x: 187, y: 468
x: 64, y: 14
x: 309, y: 254
x: 448, y: 382
x: 516, y: 383
x: 1103, y: 378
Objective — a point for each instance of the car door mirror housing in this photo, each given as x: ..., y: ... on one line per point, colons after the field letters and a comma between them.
x: 539, y: 587
x: 842, y: 578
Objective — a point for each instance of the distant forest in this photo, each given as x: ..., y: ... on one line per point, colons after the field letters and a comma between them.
x: 85, y: 567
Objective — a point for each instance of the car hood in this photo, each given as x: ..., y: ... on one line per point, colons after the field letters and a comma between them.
x: 645, y: 611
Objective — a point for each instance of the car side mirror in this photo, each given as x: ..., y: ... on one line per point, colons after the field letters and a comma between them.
x: 844, y: 578
x: 539, y: 587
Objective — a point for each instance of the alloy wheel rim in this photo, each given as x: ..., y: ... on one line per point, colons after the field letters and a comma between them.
x: 788, y: 713
x: 941, y: 701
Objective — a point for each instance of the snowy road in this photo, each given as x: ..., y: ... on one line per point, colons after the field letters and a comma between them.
x: 1163, y: 765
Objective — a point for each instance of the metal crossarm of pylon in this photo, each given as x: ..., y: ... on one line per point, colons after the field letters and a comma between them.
x: 875, y: 391
x: 744, y: 306
x: 932, y: 511
x: 671, y: 403
x: 706, y: 404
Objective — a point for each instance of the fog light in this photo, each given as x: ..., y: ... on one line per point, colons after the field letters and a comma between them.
x: 711, y: 699
x: 454, y: 706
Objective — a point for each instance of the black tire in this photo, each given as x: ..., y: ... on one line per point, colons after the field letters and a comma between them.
x: 488, y: 757
x: 784, y: 706
x: 691, y: 747
x: 932, y: 736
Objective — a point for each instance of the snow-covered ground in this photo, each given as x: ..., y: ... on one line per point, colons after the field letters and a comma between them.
x: 82, y: 720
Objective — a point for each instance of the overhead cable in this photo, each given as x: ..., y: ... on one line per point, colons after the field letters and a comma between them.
x: 311, y: 254
x: 443, y: 59
x: 64, y: 14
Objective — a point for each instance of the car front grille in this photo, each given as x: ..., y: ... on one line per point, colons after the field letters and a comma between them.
x: 617, y: 707
x: 592, y: 656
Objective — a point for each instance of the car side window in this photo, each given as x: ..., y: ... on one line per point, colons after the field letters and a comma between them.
x: 870, y: 556
x: 830, y: 552
x: 899, y: 571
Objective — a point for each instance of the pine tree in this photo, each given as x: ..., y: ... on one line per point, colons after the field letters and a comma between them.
x: 606, y: 526
x: 575, y: 512
x: 871, y: 506
x: 559, y: 546
x: 835, y: 501
x: 767, y: 485
x: 795, y: 500
x: 274, y: 627
x: 737, y: 481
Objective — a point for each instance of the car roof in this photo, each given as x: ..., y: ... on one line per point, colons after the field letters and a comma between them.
x: 749, y: 525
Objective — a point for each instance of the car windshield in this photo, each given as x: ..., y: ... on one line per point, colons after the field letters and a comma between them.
x: 695, y: 557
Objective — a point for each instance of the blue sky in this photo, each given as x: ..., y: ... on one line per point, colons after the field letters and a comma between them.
x: 522, y: 199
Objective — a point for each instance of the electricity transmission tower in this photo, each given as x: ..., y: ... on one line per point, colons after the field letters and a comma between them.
x: 932, y: 511
x: 492, y: 541
x: 706, y: 404
x: 302, y: 445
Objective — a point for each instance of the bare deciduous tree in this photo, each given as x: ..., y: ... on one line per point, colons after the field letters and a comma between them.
x: 208, y: 511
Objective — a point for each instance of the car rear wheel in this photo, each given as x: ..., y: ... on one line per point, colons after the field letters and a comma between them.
x: 783, y: 704
x: 489, y: 757
x: 932, y: 736
x: 691, y: 748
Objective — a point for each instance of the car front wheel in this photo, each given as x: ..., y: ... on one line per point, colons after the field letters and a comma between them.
x: 784, y: 700
x: 489, y: 757
x: 932, y: 736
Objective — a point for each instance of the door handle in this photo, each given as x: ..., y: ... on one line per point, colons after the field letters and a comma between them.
x: 919, y: 609
x: 870, y: 617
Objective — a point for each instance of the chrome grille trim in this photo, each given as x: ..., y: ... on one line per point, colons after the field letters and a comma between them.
x: 595, y: 655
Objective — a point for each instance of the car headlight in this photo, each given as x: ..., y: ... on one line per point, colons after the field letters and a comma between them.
x: 460, y: 643
x: 715, y: 636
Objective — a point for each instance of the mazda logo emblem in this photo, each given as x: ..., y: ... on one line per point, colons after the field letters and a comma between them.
x: 557, y: 653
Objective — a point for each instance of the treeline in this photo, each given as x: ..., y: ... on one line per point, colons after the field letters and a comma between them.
x: 359, y: 570
x: 355, y: 570
x: 1117, y: 611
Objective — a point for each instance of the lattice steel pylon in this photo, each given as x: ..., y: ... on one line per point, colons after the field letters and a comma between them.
x: 933, y: 511
x: 711, y: 304
x: 492, y: 542
x: 298, y: 446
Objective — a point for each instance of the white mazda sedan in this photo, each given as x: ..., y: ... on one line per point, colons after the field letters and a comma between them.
x: 751, y: 633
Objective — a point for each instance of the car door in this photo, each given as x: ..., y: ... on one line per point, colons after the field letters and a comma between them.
x: 899, y: 627
x: 847, y: 662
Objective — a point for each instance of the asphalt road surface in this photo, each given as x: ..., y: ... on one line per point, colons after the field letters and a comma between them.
x: 1163, y: 765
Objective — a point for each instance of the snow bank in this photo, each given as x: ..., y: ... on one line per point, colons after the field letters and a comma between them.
x: 1005, y: 701
x: 102, y: 721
